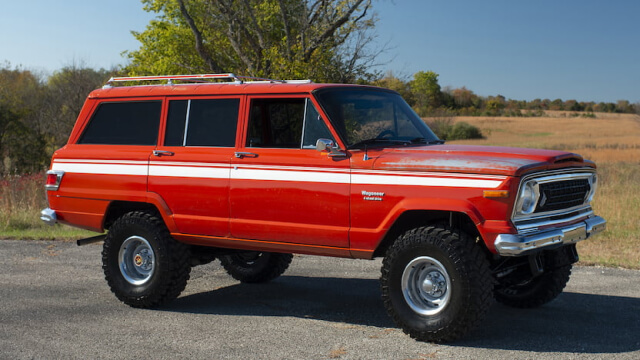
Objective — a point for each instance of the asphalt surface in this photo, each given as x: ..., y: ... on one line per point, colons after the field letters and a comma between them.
x: 55, y: 303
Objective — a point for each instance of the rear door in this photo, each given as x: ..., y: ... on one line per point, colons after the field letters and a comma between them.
x: 190, y: 168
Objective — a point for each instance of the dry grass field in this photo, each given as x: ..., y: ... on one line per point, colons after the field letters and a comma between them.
x: 613, y: 142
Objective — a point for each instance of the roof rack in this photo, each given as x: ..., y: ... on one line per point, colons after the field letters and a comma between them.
x: 201, y: 78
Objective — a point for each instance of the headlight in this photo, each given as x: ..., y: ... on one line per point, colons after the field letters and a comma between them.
x: 528, y: 198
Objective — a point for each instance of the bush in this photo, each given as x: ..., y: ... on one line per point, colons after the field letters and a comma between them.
x: 462, y: 130
x: 445, y: 129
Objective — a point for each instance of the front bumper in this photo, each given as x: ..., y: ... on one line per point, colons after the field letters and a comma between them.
x: 523, y: 244
x: 48, y: 216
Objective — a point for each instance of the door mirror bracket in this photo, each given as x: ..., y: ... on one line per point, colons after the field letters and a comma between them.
x: 329, y: 146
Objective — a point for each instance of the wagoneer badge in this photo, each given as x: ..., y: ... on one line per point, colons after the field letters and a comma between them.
x: 372, y: 196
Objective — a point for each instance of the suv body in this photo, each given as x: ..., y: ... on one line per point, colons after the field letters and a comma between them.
x: 251, y: 172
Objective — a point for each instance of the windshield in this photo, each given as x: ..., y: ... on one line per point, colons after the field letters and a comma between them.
x: 364, y: 116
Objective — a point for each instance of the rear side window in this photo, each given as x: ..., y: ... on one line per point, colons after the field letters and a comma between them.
x: 204, y: 122
x: 124, y: 123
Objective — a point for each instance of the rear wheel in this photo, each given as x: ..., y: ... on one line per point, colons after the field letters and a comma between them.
x: 436, y: 283
x: 144, y: 266
x: 255, y: 266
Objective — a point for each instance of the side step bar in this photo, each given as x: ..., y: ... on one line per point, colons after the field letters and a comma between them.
x: 91, y: 240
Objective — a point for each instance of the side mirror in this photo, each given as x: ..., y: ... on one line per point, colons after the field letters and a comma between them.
x: 328, y: 145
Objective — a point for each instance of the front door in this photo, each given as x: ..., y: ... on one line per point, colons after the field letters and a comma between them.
x: 282, y: 188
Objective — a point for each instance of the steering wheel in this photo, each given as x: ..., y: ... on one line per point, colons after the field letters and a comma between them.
x: 385, y: 133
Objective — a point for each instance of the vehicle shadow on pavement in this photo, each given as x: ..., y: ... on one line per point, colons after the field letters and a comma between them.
x: 573, y: 323
x: 352, y: 301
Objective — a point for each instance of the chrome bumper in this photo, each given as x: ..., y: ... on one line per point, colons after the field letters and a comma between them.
x: 48, y: 216
x: 517, y: 244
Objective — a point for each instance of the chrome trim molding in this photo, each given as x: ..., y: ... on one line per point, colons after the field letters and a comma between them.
x: 48, y: 216
x: 516, y: 244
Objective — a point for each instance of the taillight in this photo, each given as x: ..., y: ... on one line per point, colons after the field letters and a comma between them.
x: 54, y: 178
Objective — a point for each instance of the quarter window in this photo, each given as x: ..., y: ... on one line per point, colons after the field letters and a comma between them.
x: 124, y: 123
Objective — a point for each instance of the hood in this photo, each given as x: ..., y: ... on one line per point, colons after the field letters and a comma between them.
x: 475, y: 159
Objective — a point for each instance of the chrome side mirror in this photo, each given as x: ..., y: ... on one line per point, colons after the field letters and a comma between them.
x: 328, y: 145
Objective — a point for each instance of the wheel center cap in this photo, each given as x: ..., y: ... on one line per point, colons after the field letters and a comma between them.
x: 428, y: 285
x: 138, y: 260
x: 434, y: 284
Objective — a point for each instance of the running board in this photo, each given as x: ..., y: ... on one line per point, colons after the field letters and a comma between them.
x: 91, y: 240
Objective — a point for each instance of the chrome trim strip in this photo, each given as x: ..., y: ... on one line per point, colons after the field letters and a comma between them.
x: 517, y: 245
x: 533, y: 224
x: 48, y: 216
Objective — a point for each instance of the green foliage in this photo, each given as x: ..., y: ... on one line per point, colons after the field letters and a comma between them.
x: 446, y: 129
x: 426, y: 91
x: 37, y: 115
x: 462, y: 130
x: 324, y: 41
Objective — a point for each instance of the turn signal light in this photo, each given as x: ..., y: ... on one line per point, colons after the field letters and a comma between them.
x: 496, y: 193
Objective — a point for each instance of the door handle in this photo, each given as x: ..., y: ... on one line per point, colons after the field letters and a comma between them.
x: 242, y: 154
x: 162, y: 153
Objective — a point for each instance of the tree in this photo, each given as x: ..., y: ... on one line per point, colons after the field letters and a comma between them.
x: 323, y: 40
x: 21, y: 142
x: 66, y: 91
x: 390, y: 81
x: 426, y: 91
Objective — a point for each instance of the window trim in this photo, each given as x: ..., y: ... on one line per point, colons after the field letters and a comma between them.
x: 165, y: 119
x: 308, y: 97
x: 99, y: 102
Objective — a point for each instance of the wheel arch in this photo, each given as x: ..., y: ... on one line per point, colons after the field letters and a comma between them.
x: 118, y: 208
x: 414, y: 218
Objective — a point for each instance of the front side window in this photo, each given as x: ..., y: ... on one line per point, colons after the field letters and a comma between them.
x: 202, y: 122
x: 291, y: 123
x: 367, y: 116
x: 123, y: 123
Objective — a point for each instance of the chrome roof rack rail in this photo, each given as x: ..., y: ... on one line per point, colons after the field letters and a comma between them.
x: 201, y: 78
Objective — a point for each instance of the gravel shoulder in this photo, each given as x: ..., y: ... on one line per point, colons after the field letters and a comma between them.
x: 56, y: 304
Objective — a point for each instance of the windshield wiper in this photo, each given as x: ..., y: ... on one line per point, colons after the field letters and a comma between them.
x: 421, y: 140
x: 378, y: 141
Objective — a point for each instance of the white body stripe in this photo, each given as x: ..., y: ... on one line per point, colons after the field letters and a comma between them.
x: 190, y: 171
x: 105, y: 169
x: 278, y: 173
x: 282, y: 175
x: 423, y: 181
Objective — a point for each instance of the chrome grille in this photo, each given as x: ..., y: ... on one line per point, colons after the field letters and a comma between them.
x: 562, y: 194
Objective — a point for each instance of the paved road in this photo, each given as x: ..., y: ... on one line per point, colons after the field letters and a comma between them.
x: 54, y: 303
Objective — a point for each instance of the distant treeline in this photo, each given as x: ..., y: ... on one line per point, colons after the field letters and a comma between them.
x: 426, y: 96
x: 38, y: 111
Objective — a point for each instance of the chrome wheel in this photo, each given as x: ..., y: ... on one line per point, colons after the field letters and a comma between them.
x: 426, y: 285
x: 136, y: 260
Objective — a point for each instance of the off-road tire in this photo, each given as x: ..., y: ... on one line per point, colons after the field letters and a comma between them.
x: 537, y: 291
x: 167, y: 271
x: 447, y: 252
x: 254, y: 266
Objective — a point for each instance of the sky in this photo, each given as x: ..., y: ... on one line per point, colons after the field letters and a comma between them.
x: 585, y: 50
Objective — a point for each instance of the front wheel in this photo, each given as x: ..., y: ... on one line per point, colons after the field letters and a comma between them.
x: 144, y: 266
x: 537, y: 291
x: 436, y: 283
x: 255, y: 266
